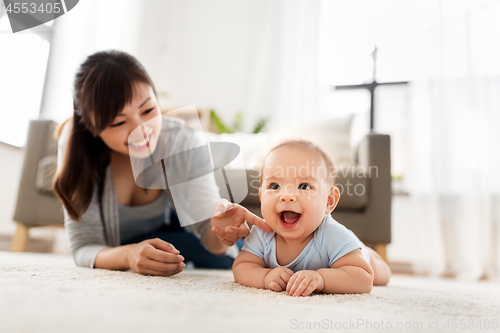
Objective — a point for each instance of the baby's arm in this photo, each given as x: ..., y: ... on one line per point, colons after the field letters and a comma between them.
x: 250, y: 270
x: 351, y: 274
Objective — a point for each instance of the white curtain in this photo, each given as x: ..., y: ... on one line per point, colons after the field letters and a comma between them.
x: 89, y: 27
x: 455, y: 142
x: 284, y: 78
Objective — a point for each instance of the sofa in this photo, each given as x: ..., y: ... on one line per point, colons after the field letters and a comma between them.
x: 364, y: 181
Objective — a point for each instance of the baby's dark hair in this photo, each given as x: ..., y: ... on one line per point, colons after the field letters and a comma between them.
x: 309, y: 146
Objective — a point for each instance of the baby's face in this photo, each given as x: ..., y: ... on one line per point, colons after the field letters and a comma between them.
x: 295, y: 194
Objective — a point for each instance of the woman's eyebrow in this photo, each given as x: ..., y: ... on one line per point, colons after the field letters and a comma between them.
x: 147, y: 99
x: 140, y: 106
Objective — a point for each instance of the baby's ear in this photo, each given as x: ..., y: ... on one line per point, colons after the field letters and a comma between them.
x: 333, y: 199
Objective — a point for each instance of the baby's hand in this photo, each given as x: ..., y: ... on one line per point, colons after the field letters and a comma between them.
x: 277, y: 278
x: 303, y: 283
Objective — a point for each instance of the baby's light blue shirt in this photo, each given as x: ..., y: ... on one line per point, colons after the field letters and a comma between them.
x: 331, y: 241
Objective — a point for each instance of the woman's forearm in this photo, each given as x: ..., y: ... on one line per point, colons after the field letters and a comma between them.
x: 214, y: 244
x: 115, y: 258
x: 346, y: 280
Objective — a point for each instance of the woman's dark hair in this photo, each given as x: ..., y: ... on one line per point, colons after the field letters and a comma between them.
x: 104, y: 85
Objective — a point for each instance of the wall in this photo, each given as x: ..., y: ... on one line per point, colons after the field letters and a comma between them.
x: 200, y: 53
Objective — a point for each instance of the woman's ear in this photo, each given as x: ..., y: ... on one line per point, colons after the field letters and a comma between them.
x: 333, y: 199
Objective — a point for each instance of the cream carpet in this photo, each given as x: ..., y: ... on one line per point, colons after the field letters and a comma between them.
x: 48, y: 293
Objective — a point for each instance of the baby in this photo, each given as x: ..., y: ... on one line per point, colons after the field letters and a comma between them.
x: 308, y: 251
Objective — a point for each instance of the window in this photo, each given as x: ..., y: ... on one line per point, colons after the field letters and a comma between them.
x: 367, y: 56
x: 23, y: 64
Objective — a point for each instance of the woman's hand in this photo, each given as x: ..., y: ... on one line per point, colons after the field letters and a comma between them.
x: 228, y: 222
x: 277, y: 279
x: 155, y: 257
x: 303, y: 283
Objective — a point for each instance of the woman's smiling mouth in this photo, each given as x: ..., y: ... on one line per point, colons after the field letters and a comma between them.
x: 140, y: 145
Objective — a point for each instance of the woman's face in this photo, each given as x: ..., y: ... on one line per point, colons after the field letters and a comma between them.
x: 136, y: 126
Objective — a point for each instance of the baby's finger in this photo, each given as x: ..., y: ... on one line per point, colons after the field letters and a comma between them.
x: 302, y: 286
x: 281, y: 283
x: 310, y: 288
x: 285, y: 276
x: 275, y: 286
x: 295, y: 285
x: 290, y: 283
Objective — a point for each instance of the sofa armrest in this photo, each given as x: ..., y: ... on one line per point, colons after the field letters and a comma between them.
x: 35, y: 207
x: 374, y: 154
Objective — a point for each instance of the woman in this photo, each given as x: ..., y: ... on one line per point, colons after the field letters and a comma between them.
x: 113, y: 223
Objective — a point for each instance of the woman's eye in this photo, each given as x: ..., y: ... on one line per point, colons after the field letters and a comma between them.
x: 118, y: 124
x: 121, y: 123
x: 274, y: 186
x: 304, y: 186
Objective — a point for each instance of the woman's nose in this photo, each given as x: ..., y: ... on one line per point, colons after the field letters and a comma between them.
x: 135, y: 122
x: 137, y: 130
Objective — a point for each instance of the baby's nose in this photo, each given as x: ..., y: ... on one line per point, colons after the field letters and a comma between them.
x: 287, y: 196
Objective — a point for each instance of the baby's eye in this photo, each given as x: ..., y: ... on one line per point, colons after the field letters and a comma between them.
x: 148, y: 111
x: 273, y: 186
x: 304, y: 186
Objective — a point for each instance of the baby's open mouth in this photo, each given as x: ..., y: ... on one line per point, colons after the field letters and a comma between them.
x: 289, y: 218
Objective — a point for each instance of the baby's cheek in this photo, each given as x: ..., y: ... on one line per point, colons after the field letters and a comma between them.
x: 266, y: 205
x: 266, y: 214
